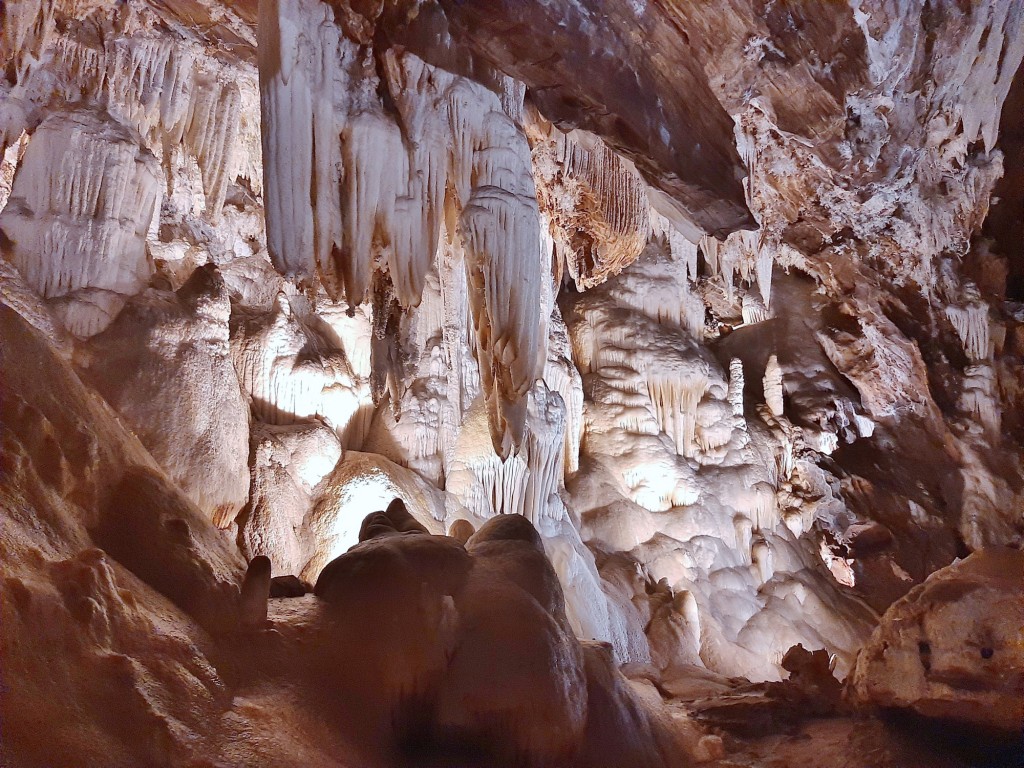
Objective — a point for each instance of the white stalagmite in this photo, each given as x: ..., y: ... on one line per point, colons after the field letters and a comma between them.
x: 736, y: 386
x: 772, y: 383
x: 543, y: 450
x: 82, y: 202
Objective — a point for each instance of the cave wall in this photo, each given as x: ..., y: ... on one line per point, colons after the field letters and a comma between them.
x: 721, y: 308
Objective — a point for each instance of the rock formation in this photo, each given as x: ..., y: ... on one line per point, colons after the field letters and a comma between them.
x: 603, y: 365
x: 951, y: 648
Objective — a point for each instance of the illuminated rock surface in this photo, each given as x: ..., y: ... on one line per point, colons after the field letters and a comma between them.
x: 689, y: 335
x: 952, y: 648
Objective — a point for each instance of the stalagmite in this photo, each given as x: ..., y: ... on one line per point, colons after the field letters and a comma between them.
x: 773, y: 386
x: 736, y: 386
x: 543, y: 449
x: 461, y: 530
x: 252, y: 607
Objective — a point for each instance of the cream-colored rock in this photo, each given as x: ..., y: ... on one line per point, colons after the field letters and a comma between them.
x: 125, y: 616
x: 288, y: 463
x: 165, y: 366
x: 953, y: 648
x: 359, y: 484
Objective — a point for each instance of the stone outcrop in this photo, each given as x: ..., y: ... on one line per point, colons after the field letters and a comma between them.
x: 952, y: 649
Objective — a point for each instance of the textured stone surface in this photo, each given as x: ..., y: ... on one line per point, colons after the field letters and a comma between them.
x: 467, y: 259
x: 953, y: 648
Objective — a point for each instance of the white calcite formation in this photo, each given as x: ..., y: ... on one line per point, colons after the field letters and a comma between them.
x: 268, y: 267
x: 714, y: 504
x: 82, y: 203
x: 773, y: 390
x: 293, y: 368
x: 350, y: 203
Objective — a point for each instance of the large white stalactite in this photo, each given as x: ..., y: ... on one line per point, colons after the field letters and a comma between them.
x: 451, y: 146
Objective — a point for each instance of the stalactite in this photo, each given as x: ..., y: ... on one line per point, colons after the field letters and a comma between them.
x: 211, y: 136
x: 764, y: 263
x: 680, y: 248
x: 302, y: 69
x: 675, y: 403
x: 743, y: 531
x: 374, y: 159
x: 561, y: 376
x: 82, y: 202
x: 452, y: 134
x: 971, y: 324
x: 499, y: 220
x: 979, y: 398
x: 753, y: 310
x: 597, y: 202
x: 162, y: 90
x: 710, y: 247
x: 27, y: 27
x: 763, y: 560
